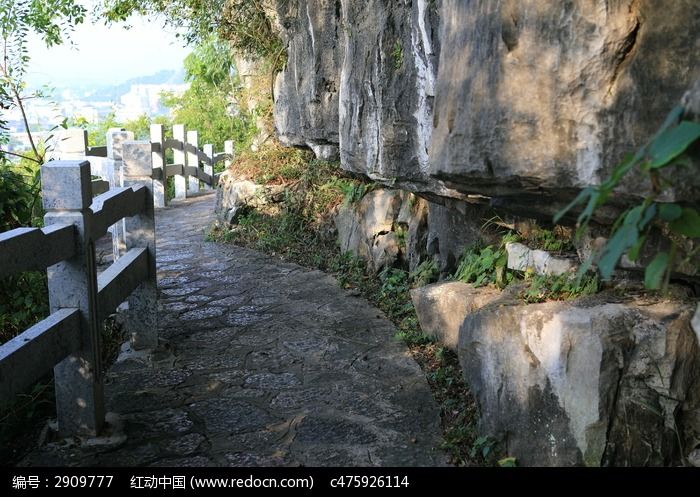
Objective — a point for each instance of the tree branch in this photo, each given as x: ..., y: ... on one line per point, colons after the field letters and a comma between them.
x: 33, y: 159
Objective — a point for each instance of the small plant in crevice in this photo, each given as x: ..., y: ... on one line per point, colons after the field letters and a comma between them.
x: 397, y: 55
x: 427, y: 272
x: 657, y: 160
x: 540, y: 288
x: 558, y: 239
x: 401, y: 233
x: 354, y: 191
x: 484, y: 266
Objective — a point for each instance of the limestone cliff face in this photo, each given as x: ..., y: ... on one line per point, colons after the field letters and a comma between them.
x: 547, y: 96
x: 516, y: 104
x: 499, y: 98
x: 360, y: 80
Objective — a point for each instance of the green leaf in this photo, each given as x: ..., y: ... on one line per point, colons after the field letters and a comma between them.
x: 654, y: 273
x: 649, y: 214
x: 672, y: 142
x: 634, y: 215
x: 672, y: 118
x: 624, y: 238
x: 633, y: 253
x: 508, y: 462
x: 669, y: 212
x: 580, y: 198
x: 688, y: 224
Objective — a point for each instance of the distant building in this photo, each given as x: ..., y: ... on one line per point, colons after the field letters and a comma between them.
x: 145, y: 99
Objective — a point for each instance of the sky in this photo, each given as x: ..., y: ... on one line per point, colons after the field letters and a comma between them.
x: 103, y: 54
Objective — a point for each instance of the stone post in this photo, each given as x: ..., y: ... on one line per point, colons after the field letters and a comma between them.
x: 179, y: 157
x: 71, y: 144
x: 67, y: 195
x: 228, y: 150
x: 142, y: 318
x: 193, y: 159
x: 115, y: 140
x: 160, y: 185
x: 209, y: 168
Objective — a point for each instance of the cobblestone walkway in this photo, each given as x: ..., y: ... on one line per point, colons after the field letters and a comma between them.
x: 262, y: 363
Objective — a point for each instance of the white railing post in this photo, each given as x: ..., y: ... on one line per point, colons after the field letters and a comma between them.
x: 67, y: 194
x: 209, y: 167
x: 142, y: 318
x: 179, y: 157
x: 228, y: 150
x: 160, y: 184
x: 193, y: 159
x: 115, y: 142
x: 71, y: 144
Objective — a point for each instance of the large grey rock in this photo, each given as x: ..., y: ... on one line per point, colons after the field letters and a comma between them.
x: 454, y: 225
x: 442, y: 307
x: 235, y: 194
x: 417, y: 240
x: 306, y: 91
x: 369, y: 229
x: 522, y: 258
x: 529, y: 98
x: 387, y: 87
x: 537, y: 96
x: 360, y: 80
x: 562, y: 383
x: 366, y: 229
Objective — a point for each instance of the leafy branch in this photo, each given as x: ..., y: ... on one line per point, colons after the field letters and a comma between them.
x: 631, y: 231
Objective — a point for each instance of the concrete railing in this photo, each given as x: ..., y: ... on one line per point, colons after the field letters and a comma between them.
x: 132, y: 181
x: 190, y: 163
x: 69, y: 339
x: 190, y: 166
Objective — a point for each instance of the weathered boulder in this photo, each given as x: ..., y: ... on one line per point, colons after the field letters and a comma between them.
x: 366, y: 229
x: 387, y: 79
x: 417, y: 240
x: 360, y: 80
x: 234, y: 195
x: 454, y: 225
x: 442, y: 307
x: 564, y: 383
x: 543, y: 97
x: 388, y: 225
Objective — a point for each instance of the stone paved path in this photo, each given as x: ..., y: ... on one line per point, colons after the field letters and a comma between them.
x: 262, y: 363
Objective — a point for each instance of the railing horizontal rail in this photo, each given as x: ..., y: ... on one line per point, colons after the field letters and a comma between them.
x: 206, y: 178
x: 97, y: 151
x: 114, y: 205
x: 99, y: 186
x: 117, y: 282
x: 173, y: 144
x: 32, y: 354
x: 191, y: 170
x: 203, y: 157
x: 34, y: 249
x: 219, y: 157
x: 174, y: 170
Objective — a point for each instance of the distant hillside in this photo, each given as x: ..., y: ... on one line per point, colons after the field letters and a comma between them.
x: 113, y: 92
